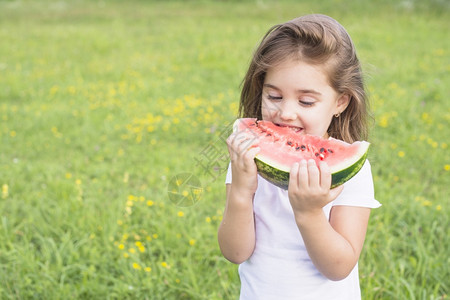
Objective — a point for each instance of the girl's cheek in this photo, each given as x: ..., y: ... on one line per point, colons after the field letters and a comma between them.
x: 268, y: 111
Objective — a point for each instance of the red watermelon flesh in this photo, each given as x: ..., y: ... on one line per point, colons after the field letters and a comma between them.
x: 283, y: 146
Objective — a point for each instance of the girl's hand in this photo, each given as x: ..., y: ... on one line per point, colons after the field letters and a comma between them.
x: 309, y: 187
x: 242, y: 147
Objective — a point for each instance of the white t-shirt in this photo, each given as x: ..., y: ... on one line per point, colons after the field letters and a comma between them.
x: 280, y: 267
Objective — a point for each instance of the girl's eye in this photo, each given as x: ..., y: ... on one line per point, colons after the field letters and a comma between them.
x: 306, y: 102
x: 276, y: 98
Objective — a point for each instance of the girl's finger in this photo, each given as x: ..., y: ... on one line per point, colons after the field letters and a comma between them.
x: 335, y: 192
x: 303, y: 180
x: 325, y: 175
x: 251, y: 153
x: 242, y: 147
x: 313, y: 174
x: 293, y: 176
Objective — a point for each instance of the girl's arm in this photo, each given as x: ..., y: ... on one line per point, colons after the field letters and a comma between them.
x: 334, y: 245
x: 237, y: 230
x: 236, y: 233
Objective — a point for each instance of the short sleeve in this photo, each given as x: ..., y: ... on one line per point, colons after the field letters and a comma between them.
x: 228, y: 178
x: 359, y: 190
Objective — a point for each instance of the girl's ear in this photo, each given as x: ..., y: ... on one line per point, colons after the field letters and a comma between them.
x: 342, y: 102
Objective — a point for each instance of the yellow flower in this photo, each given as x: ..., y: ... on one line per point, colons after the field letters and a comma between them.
x: 126, y: 255
x: 438, y: 207
x: 165, y: 265
x: 68, y: 175
x: 136, y: 266
x: 150, y: 203
x: 447, y: 167
x: 192, y: 242
x: 383, y: 122
x: 132, y: 250
x: 5, y: 191
x: 401, y: 154
x: 426, y: 203
x: 148, y: 269
x: 121, y: 246
x: 53, y: 90
x: 78, y: 182
x: 208, y: 220
x: 180, y: 214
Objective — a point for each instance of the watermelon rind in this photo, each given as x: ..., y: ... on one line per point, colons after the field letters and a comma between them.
x: 279, y: 175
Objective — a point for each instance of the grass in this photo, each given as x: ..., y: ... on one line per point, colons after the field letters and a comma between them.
x: 103, y: 103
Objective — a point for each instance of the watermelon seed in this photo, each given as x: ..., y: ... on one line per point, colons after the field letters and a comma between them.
x: 289, y: 143
x: 303, y: 147
x: 317, y: 154
x: 268, y: 134
x: 297, y: 148
x: 329, y: 150
x: 322, y: 150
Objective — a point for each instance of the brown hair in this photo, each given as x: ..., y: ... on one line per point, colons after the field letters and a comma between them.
x: 317, y: 40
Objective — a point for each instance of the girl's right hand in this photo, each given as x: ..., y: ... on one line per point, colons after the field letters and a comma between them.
x: 243, y: 147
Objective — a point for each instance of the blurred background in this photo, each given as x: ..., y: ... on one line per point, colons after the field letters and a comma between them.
x: 112, y: 157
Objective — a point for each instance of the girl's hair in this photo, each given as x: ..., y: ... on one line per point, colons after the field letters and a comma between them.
x: 316, y: 40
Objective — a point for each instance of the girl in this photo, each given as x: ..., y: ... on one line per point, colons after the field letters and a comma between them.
x: 303, y: 243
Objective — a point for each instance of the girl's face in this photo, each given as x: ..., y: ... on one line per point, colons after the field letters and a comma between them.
x: 298, y: 95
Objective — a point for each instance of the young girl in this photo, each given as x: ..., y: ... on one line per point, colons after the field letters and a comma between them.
x: 303, y: 243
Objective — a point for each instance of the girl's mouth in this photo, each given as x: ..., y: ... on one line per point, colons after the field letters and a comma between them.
x: 293, y: 128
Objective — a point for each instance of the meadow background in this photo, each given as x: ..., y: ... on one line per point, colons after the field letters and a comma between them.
x: 104, y: 103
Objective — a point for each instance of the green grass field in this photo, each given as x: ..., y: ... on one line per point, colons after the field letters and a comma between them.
x: 105, y: 104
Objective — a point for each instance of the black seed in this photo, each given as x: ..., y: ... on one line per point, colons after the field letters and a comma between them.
x: 317, y: 154
x: 303, y: 147
x: 297, y: 148
x: 268, y: 134
x: 329, y: 150
x: 322, y: 150
x: 289, y: 143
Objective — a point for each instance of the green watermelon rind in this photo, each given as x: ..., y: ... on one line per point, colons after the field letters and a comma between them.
x: 280, y: 178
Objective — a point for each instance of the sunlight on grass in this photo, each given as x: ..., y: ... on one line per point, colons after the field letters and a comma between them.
x: 104, y: 104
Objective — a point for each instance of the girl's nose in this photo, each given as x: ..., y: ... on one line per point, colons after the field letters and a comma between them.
x: 286, y: 111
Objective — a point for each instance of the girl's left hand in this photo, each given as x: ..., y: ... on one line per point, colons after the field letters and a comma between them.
x: 309, y: 187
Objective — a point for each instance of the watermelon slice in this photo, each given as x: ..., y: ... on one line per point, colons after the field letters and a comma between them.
x: 283, y: 146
